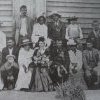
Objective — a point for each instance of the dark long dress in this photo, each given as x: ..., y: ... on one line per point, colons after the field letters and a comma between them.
x: 59, y: 57
x: 40, y: 79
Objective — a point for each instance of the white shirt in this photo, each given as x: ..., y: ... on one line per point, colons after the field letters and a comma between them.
x: 76, y: 58
x: 10, y: 51
x: 39, y: 31
x: 25, y: 57
x: 2, y: 40
x: 23, y: 30
x: 73, y: 31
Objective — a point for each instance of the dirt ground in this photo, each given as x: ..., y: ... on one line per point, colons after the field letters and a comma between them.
x: 17, y: 95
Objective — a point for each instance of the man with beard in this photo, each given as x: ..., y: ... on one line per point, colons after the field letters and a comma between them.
x: 10, y: 49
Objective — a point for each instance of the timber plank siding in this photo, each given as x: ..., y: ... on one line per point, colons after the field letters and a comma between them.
x: 6, y: 16
x: 85, y: 10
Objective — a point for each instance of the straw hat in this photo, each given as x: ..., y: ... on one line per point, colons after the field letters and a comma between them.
x: 55, y: 13
x: 25, y: 42
x: 10, y: 56
x: 71, y: 42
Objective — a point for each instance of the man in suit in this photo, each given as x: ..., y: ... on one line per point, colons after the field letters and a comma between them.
x: 56, y: 28
x: 90, y: 65
x: 23, y: 26
x: 94, y: 35
x: 10, y: 49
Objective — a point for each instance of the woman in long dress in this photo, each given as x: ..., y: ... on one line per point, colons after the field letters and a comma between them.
x: 2, y: 45
x: 24, y: 59
x: 76, y: 63
x: 40, y: 76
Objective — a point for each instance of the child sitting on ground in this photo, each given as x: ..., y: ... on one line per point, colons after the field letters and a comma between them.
x: 9, y: 72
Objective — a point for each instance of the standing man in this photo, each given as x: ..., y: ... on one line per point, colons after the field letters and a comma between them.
x: 56, y: 28
x: 23, y: 26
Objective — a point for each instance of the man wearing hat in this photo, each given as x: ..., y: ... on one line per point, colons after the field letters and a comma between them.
x: 56, y: 28
x: 90, y: 62
x: 73, y: 31
x: 9, y: 72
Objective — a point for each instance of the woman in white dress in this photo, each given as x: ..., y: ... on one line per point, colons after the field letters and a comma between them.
x: 24, y: 59
x: 76, y: 63
x: 40, y: 29
x: 2, y: 45
x: 74, y: 31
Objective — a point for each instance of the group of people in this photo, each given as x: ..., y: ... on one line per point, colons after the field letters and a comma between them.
x: 42, y: 55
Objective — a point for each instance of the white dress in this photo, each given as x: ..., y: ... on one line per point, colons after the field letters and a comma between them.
x: 23, y: 77
x: 76, y: 58
x: 2, y: 45
x: 2, y: 40
x: 73, y: 31
x: 39, y: 31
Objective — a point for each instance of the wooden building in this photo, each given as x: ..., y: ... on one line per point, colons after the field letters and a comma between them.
x: 85, y: 10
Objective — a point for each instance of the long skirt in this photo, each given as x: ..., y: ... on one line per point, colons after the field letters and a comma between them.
x: 42, y: 80
x: 78, y: 80
x: 23, y: 80
x: 1, y: 83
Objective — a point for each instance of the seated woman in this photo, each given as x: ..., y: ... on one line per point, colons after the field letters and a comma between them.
x: 76, y: 63
x: 9, y: 72
x: 40, y: 29
x: 40, y: 79
x: 2, y: 39
x: 24, y: 59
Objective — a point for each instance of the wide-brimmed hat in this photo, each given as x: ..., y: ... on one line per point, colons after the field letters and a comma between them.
x: 10, y: 56
x: 72, y: 19
x: 71, y: 42
x: 54, y: 13
x: 25, y: 42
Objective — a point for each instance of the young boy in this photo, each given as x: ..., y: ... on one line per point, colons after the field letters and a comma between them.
x: 9, y: 72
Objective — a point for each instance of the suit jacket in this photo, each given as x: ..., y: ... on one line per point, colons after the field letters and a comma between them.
x: 17, y: 27
x: 95, y: 40
x: 5, y: 52
x: 60, y: 56
x: 56, y: 31
x: 86, y: 58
